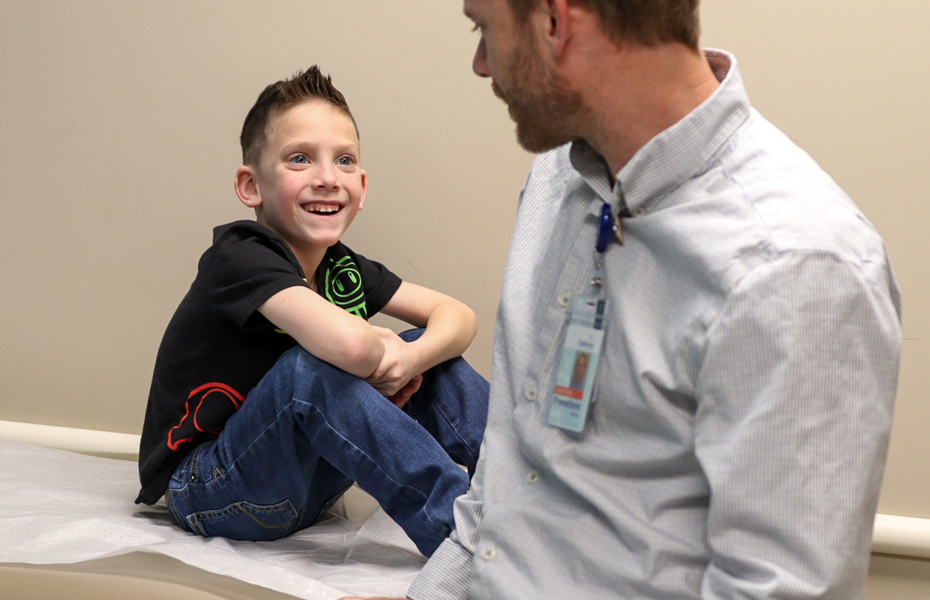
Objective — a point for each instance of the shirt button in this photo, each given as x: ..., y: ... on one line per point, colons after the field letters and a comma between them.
x: 532, y: 478
x: 640, y: 211
x: 565, y: 298
x: 489, y: 553
x: 531, y: 393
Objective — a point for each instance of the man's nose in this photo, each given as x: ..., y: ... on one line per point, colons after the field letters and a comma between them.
x: 480, y: 63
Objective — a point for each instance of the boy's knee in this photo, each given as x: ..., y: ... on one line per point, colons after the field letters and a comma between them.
x: 299, y: 361
x: 411, y: 334
x: 297, y: 369
x: 313, y: 380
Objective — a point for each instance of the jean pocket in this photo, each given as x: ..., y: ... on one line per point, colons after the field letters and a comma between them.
x: 246, y: 521
x: 195, y: 468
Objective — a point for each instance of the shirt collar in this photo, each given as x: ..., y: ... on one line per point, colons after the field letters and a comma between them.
x: 679, y: 153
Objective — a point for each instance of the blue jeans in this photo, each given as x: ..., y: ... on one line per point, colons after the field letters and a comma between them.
x: 309, y: 429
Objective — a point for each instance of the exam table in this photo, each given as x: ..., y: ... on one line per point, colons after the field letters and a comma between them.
x: 69, y: 529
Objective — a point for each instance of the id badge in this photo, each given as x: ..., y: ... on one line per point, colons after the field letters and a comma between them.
x: 581, y: 350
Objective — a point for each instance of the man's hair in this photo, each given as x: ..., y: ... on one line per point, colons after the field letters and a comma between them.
x: 643, y: 22
x: 307, y: 85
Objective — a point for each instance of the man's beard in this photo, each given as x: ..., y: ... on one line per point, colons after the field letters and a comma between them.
x: 546, y: 111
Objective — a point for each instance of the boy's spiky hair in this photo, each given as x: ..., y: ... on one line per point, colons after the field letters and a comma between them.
x: 306, y: 85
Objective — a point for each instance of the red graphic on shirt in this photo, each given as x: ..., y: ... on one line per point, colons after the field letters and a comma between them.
x: 215, y: 398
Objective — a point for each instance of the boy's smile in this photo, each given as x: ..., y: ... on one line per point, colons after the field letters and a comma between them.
x: 308, y: 186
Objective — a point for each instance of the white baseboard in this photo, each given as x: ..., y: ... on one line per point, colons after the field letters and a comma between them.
x: 85, y: 441
x: 903, y: 536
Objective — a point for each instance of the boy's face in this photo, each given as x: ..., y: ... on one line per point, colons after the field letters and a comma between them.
x: 308, y: 186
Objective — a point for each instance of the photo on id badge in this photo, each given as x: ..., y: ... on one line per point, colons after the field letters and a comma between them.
x: 574, y: 378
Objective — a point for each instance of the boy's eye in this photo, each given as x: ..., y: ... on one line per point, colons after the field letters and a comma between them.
x: 300, y: 159
x: 345, y: 160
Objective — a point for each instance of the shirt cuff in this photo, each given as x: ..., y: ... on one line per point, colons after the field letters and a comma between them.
x: 446, y: 575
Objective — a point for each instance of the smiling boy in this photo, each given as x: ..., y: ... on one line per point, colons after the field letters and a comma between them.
x: 271, y: 392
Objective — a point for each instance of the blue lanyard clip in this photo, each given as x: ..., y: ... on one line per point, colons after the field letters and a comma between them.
x: 609, y: 227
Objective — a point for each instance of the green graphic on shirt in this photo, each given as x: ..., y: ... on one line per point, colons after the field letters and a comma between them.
x: 342, y: 285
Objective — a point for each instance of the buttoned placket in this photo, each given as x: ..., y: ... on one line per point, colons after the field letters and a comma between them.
x: 573, y: 277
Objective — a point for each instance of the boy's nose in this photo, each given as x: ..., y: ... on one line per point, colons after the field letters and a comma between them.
x: 325, y: 178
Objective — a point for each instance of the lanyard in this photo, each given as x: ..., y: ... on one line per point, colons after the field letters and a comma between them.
x: 608, y: 228
x: 574, y: 388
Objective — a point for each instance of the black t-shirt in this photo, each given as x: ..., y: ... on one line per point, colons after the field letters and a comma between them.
x: 217, y: 347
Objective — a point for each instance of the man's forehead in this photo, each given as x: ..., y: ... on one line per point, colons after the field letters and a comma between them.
x: 474, y: 8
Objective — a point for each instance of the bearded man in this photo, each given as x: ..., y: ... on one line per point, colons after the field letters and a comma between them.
x: 744, y: 339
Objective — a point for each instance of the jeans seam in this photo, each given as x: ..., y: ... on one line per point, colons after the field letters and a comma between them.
x: 193, y: 464
x: 256, y: 438
x: 373, y: 461
x: 465, y: 444
x: 212, y: 515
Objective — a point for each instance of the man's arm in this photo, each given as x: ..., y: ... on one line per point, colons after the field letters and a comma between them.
x: 325, y: 330
x: 450, y: 328
x: 794, y: 413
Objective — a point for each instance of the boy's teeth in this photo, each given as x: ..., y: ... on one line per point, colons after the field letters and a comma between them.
x: 323, y: 208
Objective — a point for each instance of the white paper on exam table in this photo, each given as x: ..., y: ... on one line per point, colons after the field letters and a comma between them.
x: 58, y: 507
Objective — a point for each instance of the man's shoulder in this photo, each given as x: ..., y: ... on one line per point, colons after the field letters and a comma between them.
x: 760, y: 201
x: 798, y: 204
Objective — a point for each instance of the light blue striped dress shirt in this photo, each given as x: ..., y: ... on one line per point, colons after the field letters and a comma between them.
x: 745, y: 393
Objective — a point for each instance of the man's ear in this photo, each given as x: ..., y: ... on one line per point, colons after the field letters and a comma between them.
x: 247, y: 187
x: 559, y: 26
x: 361, y: 203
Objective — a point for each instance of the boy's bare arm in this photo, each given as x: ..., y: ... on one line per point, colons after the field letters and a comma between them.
x: 325, y: 330
x: 450, y: 328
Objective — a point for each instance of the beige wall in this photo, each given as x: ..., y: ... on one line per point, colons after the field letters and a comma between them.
x: 118, y: 143
x: 118, y: 128
x: 846, y: 79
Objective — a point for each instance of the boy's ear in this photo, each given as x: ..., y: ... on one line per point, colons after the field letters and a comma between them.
x: 361, y: 203
x: 247, y: 187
